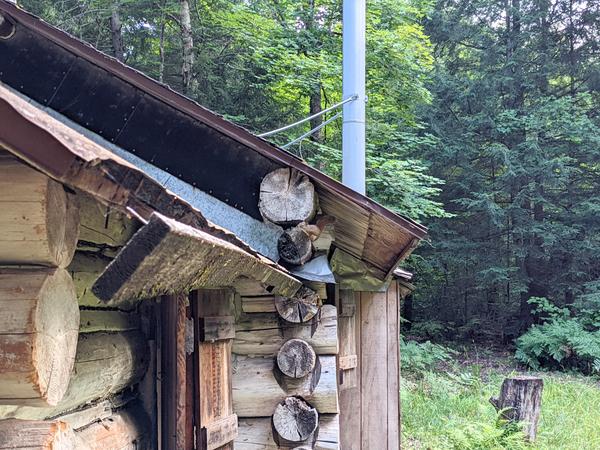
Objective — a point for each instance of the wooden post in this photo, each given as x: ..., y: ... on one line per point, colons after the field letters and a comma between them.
x: 369, y: 412
x: 173, y: 383
x: 216, y: 424
x: 520, y: 401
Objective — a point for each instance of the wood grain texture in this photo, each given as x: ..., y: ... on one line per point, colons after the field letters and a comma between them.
x: 174, y: 372
x: 38, y: 435
x: 38, y: 335
x: 127, y: 429
x: 257, y: 389
x: 38, y: 219
x: 105, y: 364
x: 257, y: 434
x: 166, y: 256
x: 296, y: 358
x: 294, y: 422
x: 214, y: 369
x: 287, y: 197
x: 93, y: 321
x: 348, y: 373
x: 264, y: 334
x: 300, y: 308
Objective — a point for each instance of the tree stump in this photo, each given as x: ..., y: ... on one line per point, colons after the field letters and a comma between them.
x: 520, y: 400
x: 296, y: 358
x: 300, y: 308
x: 294, y: 421
x: 287, y: 197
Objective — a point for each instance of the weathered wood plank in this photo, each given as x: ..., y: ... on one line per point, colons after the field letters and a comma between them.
x: 214, y: 379
x: 347, y: 357
x: 38, y: 335
x: 374, y: 362
x: 264, y: 334
x: 393, y: 366
x: 166, y: 256
x: 220, y: 433
x: 92, y: 321
x: 257, y: 390
x: 216, y: 328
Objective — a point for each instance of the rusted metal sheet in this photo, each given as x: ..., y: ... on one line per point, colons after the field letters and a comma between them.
x: 178, y: 135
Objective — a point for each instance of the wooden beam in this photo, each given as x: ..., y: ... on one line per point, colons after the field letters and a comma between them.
x: 38, y: 435
x: 166, y: 256
x: 174, y: 372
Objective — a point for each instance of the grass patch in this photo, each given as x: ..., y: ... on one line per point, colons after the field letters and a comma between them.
x: 449, y: 409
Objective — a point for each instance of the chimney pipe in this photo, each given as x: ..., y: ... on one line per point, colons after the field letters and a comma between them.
x: 354, y: 79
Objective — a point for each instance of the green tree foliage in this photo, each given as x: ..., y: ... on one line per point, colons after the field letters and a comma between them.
x: 516, y: 96
x: 267, y: 63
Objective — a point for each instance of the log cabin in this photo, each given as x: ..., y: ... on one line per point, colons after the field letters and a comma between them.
x: 168, y: 280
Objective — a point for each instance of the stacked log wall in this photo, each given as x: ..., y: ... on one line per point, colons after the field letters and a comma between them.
x: 263, y: 378
x: 69, y: 367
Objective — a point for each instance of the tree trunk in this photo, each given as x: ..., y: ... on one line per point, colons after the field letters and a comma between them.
x: 116, y: 30
x: 39, y: 326
x: 315, y: 107
x: 521, y: 398
x: 287, y: 197
x: 39, y: 221
x: 187, y: 39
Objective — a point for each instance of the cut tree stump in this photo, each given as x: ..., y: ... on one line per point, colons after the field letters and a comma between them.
x: 39, y: 221
x: 287, y: 197
x: 39, y: 327
x: 294, y: 421
x: 520, y: 401
x: 296, y: 358
x: 298, y: 309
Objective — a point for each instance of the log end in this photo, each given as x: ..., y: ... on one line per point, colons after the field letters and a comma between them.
x: 296, y: 358
x: 294, y: 421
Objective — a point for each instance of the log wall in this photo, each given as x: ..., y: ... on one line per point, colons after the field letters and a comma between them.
x: 259, y: 384
x: 68, y: 370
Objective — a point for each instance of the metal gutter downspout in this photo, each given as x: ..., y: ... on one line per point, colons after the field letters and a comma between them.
x: 354, y: 80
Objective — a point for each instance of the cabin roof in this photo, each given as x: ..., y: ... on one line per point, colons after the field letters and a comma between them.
x: 174, y: 133
x: 69, y: 157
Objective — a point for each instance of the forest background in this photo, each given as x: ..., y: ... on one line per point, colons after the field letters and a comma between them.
x: 483, y: 123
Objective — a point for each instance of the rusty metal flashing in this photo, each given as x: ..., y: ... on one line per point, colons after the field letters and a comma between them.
x: 198, y: 112
x: 70, y: 158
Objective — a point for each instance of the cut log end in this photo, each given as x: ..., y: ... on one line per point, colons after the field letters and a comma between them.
x: 34, y: 434
x: 287, y: 197
x: 295, y: 246
x: 294, y: 421
x: 299, y: 309
x: 296, y: 358
x: 39, y: 335
x: 40, y: 221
